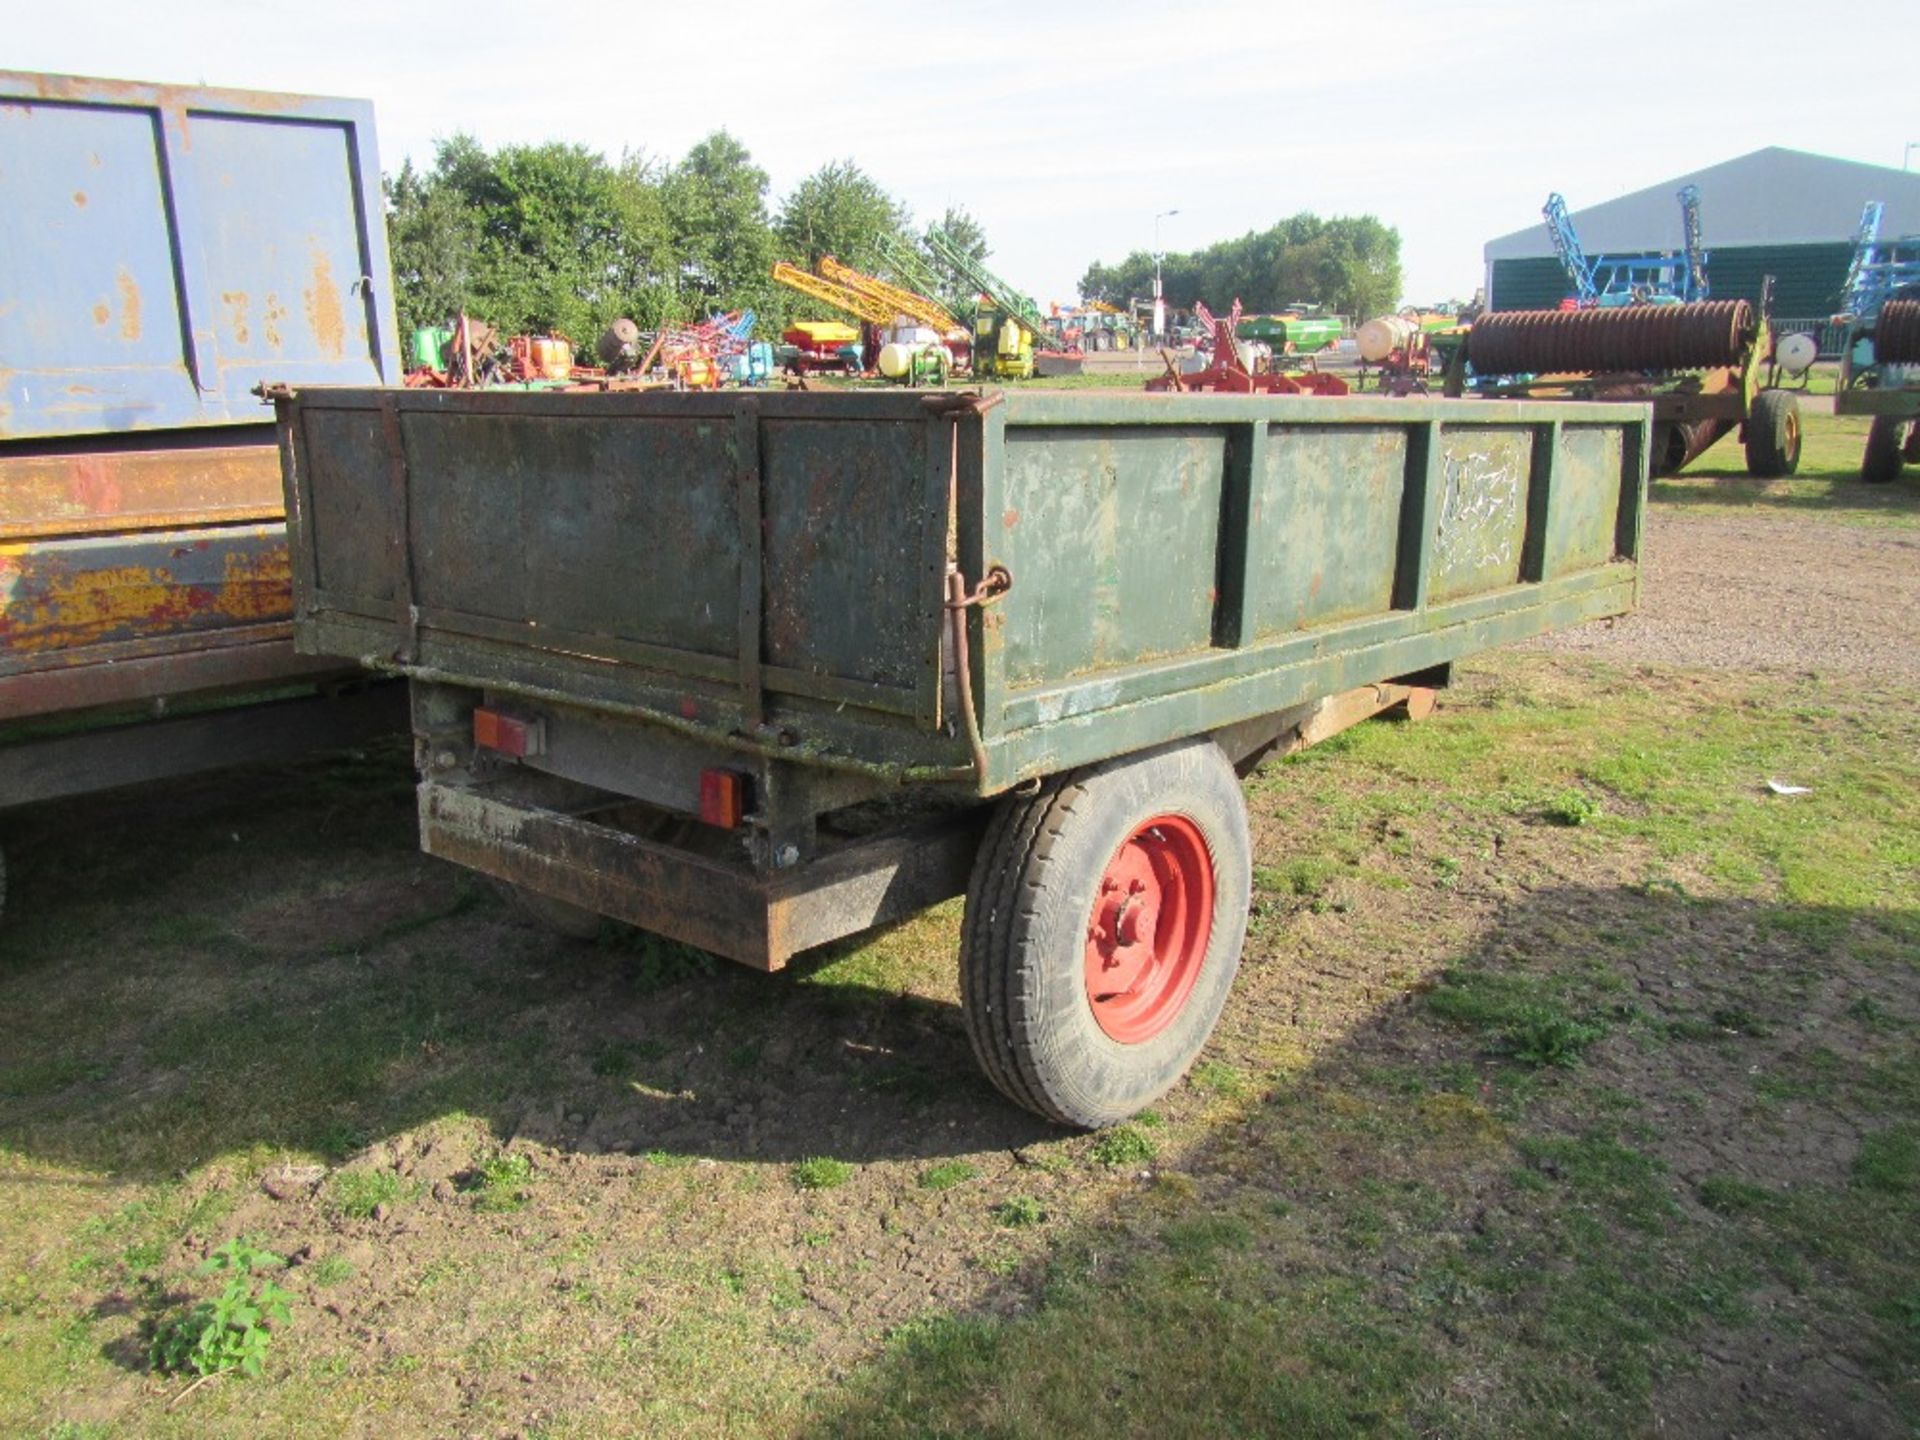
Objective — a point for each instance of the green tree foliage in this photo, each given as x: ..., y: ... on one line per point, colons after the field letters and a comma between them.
x: 839, y: 211
x: 966, y: 232
x: 531, y: 238
x: 716, y: 204
x: 1349, y: 264
x: 556, y: 237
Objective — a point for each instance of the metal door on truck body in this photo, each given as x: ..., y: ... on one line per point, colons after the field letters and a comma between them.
x: 168, y: 248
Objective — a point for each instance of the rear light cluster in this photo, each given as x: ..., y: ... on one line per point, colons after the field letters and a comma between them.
x: 723, y: 793
x: 723, y: 798
x: 508, y: 736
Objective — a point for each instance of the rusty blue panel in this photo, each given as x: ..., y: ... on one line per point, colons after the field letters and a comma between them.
x: 168, y: 248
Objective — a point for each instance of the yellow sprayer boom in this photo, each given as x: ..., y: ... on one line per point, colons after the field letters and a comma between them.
x: 873, y: 311
x: 904, y: 302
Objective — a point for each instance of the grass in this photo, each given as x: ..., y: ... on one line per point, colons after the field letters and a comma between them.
x: 358, y: 1193
x: 1826, y: 484
x: 821, y: 1173
x: 948, y: 1174
x: 1424, y: 1181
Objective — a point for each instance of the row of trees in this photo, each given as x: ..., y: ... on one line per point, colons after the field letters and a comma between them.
x: 1349, y: 264
x: 533, y: 238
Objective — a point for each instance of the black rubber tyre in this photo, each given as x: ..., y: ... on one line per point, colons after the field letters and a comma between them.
x: 571, y: 922
x: 1033, y: 890
x: 1773, y: 435
x: 1883, y: 461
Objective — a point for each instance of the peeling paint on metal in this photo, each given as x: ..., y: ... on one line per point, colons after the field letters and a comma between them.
x: 323, y: 308
x: 129, y: 304
x: 236, y: 303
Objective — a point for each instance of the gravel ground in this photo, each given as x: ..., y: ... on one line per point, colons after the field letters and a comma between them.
x: 1753, y: 593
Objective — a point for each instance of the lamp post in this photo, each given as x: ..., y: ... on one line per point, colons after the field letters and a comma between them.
x: 1906, y: 160
x: 1159, y: 304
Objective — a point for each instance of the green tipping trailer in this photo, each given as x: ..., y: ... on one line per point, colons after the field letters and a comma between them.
x: 757, y: 672
x: 1292, y: 334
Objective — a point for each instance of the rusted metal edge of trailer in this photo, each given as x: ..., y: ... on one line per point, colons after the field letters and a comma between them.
x: 255, y: 656
x: 252, y: 733
x: 727, y: 907
x: 520, y: 827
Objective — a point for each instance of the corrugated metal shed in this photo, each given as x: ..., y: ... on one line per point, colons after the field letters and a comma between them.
x: 1774, y: 212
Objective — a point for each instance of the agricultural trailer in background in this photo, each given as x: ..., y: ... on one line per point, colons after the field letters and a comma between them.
x: 166, y: 249
x: 760, y: 671
x: 1708, y: 368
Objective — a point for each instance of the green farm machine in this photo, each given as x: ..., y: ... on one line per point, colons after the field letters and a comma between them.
x: 1008, y: 327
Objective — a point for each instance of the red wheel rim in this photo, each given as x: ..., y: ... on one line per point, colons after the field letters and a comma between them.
x: 1148, y: 931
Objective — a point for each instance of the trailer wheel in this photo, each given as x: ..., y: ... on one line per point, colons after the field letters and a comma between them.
x: 1104, y: 923
x: 1883, y: 461
x: 1773, y: 435
x: 572, y: 922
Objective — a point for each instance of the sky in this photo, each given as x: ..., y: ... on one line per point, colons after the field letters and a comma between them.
x: 1066, y: 127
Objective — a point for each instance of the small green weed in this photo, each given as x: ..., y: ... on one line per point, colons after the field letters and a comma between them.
x: 1528, y: 1022
x: 1888, y: 1161
x: 1019, y: 1212
x: 1571, y: 807
x: 1123, y: 1145
x: 231, y: 1331
x: 1730, y: 1196
x: 358, y: 1193
x: 1549, y: 1038
x: 330, y: 1270
x: 1229, y: 1082
x: 500, y: 1184
x: 821, y: 1173
x: 947, y: 1175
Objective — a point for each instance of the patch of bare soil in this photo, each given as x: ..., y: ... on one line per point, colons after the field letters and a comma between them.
x: 1758, y: 593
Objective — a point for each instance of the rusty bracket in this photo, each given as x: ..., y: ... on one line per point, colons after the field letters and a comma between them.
x: 965, y: 402
x: 997, y: 582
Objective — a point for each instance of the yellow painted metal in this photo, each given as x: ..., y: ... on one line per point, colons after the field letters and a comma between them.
x: 904, y: 302
x: 839, y: 296
x: 64, y: 595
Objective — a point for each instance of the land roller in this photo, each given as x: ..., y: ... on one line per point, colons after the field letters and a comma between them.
x: 1707, y: 367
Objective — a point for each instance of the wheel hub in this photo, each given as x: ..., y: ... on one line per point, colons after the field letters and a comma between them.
x: 1148, y: 929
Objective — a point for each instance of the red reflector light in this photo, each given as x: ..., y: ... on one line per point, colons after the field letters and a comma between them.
x: 506, y: 735
x: 723, y: 798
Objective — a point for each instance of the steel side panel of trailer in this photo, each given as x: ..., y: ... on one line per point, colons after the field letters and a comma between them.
x: 166, y: 249
x: 766, y: 571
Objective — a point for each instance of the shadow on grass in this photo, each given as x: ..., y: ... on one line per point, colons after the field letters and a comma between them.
x: 1634, y: 1163
x: 1813, y: 494
x: 1623, y: 1131
x: 264, y: 959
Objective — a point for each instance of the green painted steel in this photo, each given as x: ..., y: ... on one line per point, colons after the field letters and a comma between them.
x: 767, y: 572
x: 1305, y: 333
x: 1807, y: 279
